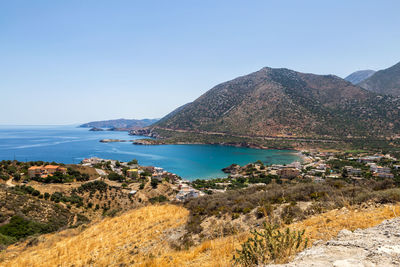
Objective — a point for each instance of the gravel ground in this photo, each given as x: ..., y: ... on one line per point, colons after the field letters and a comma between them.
x: 375, y: 246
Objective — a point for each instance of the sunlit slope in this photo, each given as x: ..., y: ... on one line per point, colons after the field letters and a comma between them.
x: 129, y: 238
x: 143, y: 238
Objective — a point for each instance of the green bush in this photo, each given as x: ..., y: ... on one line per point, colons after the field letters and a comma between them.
x: 6, y: 240
x: 116, y: 177
x: 270, y: 245
x: 154, y: 183
x: 159, y: 199
x: 92, y: 187
x: 19, y: 227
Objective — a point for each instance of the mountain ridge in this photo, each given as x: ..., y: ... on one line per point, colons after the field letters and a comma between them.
x: 283, y: 102
x: 359, y: 76
x: 385, y: 81
x: 119, y: 123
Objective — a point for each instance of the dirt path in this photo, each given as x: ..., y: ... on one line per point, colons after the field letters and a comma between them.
x: 376, y: 246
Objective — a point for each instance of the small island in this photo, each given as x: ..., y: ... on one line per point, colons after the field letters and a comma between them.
x: 95, y: 129
x: 114, y: 140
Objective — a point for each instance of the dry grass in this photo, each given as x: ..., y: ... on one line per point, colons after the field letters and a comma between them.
x: 139, y: 238
x: 130, y: 238
x: 327, y: 225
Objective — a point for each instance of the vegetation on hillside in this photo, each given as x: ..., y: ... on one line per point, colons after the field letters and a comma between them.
x: 281, y: 102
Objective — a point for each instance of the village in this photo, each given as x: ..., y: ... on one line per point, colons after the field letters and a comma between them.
x: 315, y: 166
x: 135, y: 173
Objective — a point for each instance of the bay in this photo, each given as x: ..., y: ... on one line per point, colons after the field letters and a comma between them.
x: 69, y: 144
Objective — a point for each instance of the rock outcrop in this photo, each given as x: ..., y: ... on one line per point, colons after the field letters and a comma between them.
x: 376, y: 246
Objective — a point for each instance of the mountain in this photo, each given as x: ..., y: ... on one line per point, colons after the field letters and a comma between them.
x: 359, y: 76
x: 119, y: 123
x: 385, y: 81
x: 282, y: 102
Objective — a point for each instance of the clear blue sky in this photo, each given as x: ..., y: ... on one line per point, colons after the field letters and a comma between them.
x: 71, y: 61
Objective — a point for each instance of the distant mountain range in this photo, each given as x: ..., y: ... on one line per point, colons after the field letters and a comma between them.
x: 385, y: 81
x: 285, y: 103
x: 120, y: 123
x: 359, y: 76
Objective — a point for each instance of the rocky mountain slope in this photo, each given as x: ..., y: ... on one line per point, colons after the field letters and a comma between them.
x: 385, y: 81
x: 119, y: 123
x: 282, y: 102
x: 376, y: 246
x: 359, y: 76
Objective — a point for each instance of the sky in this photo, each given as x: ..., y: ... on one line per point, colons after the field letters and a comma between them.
x: 74, y: 61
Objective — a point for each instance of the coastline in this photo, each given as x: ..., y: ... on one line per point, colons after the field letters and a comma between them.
x: 155, y: 142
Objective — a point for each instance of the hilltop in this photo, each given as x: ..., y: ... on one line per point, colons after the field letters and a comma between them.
x: 285, y: 103
x: 385, y: 81
x: 359, y: 76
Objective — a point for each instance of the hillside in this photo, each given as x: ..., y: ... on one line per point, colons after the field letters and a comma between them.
x: 22, y: 215
x: 144, y: 237
x: 282, y: 102
x: 359, y: 76
x: 120, y: 123
x: 385, y: 81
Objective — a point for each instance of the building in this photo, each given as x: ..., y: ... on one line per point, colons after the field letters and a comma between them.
x: 288, y: 173
x: 383, y: 170
x: 369, y: 159
x: 383, y: 175
x: 186, y: 193
x: 93, y: 160
x: 352, y: 171
x: 35, y: 171
x: 51, y: 169
x: 44, y: 171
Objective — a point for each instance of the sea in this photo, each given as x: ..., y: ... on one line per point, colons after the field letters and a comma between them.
x: 71, y: 144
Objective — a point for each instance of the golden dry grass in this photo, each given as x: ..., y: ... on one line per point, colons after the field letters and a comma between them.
x: 113, y: 241
x: 327, y: 225
x: 107, y: 243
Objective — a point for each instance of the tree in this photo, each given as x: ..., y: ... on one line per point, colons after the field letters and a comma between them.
x: 154, y: 183
x: 132, y: 162
x: 113, y: 176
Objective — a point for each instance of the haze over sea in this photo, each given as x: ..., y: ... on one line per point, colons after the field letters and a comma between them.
x: 69, y: 144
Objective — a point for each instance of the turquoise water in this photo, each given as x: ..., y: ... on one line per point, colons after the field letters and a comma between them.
x: 68, y: 144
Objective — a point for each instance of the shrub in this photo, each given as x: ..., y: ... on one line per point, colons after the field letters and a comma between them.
x: 291, y: 212
x: 93, y: 186
x: 19, y: 227
x: 154, y: 183
x: 6, y: 240
x: 116, y: 177
x: 270, y: 245
x: 159, y: 199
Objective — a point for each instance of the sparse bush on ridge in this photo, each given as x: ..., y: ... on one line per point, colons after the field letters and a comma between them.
x: 270, y: 244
